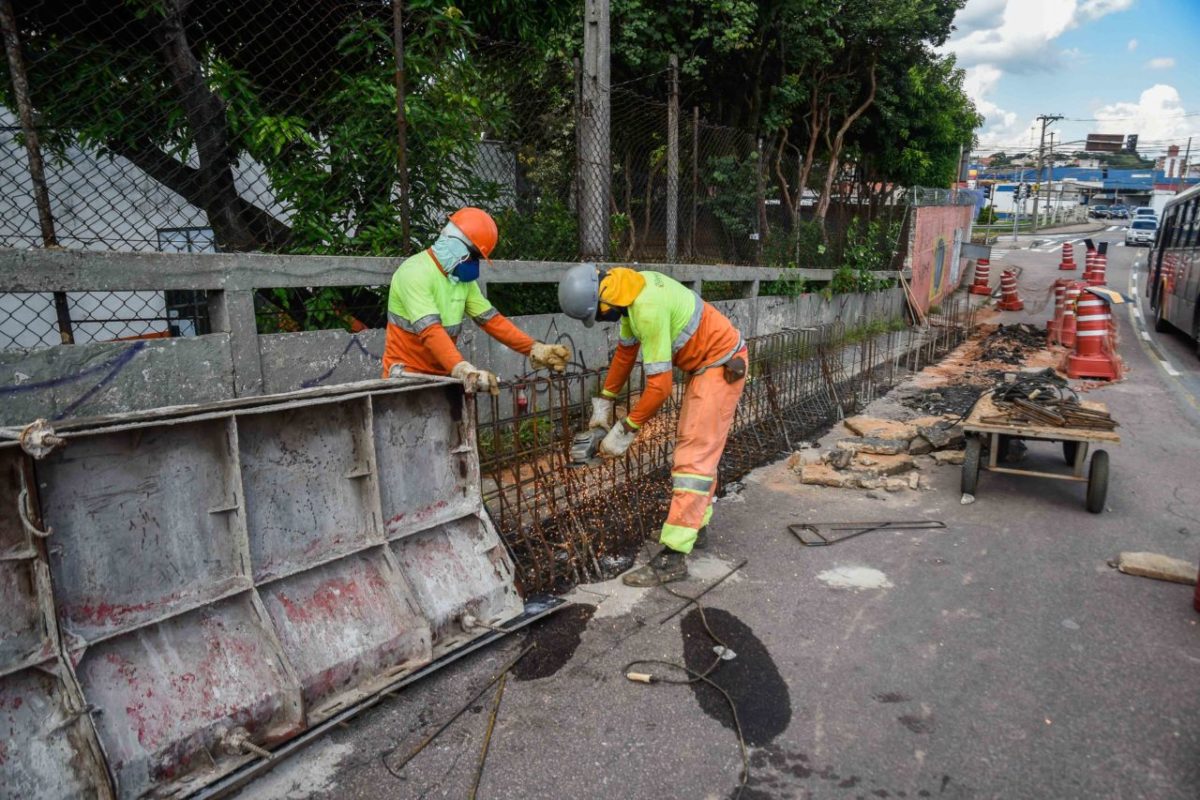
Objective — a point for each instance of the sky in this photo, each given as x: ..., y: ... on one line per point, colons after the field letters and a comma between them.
x: 1107, y: 66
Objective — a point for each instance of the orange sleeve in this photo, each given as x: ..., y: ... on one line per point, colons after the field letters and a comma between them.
x: 502, y: 330
x: 619, y: 369
x: 439, y: 343
x: 658, y: 389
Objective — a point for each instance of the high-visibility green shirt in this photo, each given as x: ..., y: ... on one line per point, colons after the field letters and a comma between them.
x: 662, y: 318
x: 421, y: 295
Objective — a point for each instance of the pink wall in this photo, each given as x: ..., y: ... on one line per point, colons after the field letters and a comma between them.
x: 931, y: 249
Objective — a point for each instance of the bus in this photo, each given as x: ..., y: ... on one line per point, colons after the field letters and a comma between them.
x: 1174, y: 267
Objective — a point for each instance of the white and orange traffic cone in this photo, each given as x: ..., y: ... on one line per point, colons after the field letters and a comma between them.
x: 1009, y: 299
x: 983, y: 275
x: 1068, y: 257
x: 1094, y: 355
x: 1054, y: 326
x: 1066, y: 332
x: 1099, y: 268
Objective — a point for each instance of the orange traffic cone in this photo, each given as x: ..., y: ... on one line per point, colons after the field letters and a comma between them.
x: 1066, y: 332
x: 983, y: 274
x: 1054, y: 326
x: 1068, y: 256
x: 1093, y: 356
x: 1099, y: 268
x: 1009, y: 299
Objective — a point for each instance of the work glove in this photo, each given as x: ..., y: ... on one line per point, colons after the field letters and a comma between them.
x: 553, y: 356
x: 474, y: 379
x: 617, y: 441
x: 602, y: 413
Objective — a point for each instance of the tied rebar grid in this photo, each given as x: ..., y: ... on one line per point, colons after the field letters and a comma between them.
x: 569, y: 524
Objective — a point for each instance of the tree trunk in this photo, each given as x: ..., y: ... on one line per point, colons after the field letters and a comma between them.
x: 206, y: 117
x: 835, y: 150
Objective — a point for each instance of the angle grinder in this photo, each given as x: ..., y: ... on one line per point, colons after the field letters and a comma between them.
x: 584, y: 447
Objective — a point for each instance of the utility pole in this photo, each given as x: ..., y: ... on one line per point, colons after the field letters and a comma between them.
x: 1050, y: 206
x: 596, y: 154
x: 401, y: 121
x: 1045, y: 119
x: 673, y: 162
x: 1183, y: 167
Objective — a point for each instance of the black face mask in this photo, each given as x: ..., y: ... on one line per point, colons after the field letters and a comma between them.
x: 613, y: 314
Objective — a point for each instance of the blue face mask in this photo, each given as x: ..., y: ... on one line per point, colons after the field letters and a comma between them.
x: 467, y: 271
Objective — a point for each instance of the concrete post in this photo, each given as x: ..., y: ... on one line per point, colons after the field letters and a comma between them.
x: 232, y: 312
x: 595, y: 159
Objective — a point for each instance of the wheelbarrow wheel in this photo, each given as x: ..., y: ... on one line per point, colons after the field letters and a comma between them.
x: 1097, y: 491
x: 970, y: 468
x: 1070, y: 450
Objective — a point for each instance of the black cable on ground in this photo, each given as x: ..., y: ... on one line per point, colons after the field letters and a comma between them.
x: 698, y: 677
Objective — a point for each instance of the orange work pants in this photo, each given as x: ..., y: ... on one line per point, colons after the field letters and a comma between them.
x: 709, y: 403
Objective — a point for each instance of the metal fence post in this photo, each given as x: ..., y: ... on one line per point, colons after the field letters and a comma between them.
x: 673, y: 163
x: 33, y: 151
x: 401, y: 119
x: 695, y: 178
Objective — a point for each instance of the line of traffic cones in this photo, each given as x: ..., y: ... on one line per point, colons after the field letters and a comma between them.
x: 1009, y: 299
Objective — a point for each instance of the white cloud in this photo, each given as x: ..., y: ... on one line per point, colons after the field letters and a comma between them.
x: 1160, y: 63
x: 1157, y: 115
x: 1133, y: 43
x: 1014, y: 34
x: 999, y: 124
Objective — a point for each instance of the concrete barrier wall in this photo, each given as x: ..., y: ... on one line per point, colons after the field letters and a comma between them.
x: 65, y: 382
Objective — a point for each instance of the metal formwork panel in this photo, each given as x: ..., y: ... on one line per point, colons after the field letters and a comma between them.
x: 428, y: 468
x: 347, y: 628
x: 47, y: 748
x: 309, y: 479
x: 171, y: 697
x: 146, y: 523
x: 457, y: 568
x: 224, y: 578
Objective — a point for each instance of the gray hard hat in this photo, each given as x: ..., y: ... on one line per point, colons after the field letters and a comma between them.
x: 579, y: 293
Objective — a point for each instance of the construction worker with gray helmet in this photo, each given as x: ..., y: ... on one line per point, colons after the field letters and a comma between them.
x: 672, y: 328
x: 430, y: 294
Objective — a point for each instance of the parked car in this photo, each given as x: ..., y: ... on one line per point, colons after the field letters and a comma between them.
x: 1143, y: 230
x: 1099, y: 212
x: 1145, y: 211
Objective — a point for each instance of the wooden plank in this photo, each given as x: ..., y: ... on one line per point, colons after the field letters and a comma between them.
x: 985, y: 407
x: 1060, y: 476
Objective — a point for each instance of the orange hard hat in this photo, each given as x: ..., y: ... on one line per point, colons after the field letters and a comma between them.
x: 479, y: 227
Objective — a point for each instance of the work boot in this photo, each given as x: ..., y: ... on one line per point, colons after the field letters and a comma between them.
x: 666, y: 567
x: 701, y: 542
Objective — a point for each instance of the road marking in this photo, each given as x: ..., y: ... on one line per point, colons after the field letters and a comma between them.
x: 1113, y: 228
x: 1145, y: 335
x: 1174, y: 373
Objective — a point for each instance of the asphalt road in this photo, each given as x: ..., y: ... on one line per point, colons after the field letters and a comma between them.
x: 1001, y: 657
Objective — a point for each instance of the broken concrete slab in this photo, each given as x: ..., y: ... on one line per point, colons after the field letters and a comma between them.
x: 884, y: 466
x: 875, y: 428
x: 839, y: 459
x: 825, y: 475
x: 943, y: 436
x: 896, y: 484
x: 945, y: 457
x: 1157, y: 566
x: 888, y: 447
x: 919, y: 446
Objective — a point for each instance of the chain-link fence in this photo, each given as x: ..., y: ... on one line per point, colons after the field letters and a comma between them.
x: 187, y: 127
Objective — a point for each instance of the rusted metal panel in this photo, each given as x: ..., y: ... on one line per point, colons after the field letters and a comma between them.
x: 171, y: 697
x: 223, y: 577
x: 146, y: 522
x: 347, y: 628
x: 309, y: 477
x: 428, y: 471
x: 458, y: 568
x: 47, y: 749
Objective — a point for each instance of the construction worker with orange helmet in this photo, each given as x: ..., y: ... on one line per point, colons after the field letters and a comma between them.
x: 673, y: 328
x: 430, y: 294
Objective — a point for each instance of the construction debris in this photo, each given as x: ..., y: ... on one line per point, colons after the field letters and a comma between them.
x: 1158, y: 566
x: 887, y: 460
x: 823, y: 534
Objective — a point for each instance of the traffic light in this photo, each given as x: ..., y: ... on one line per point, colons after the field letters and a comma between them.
x: 1131, y: 142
